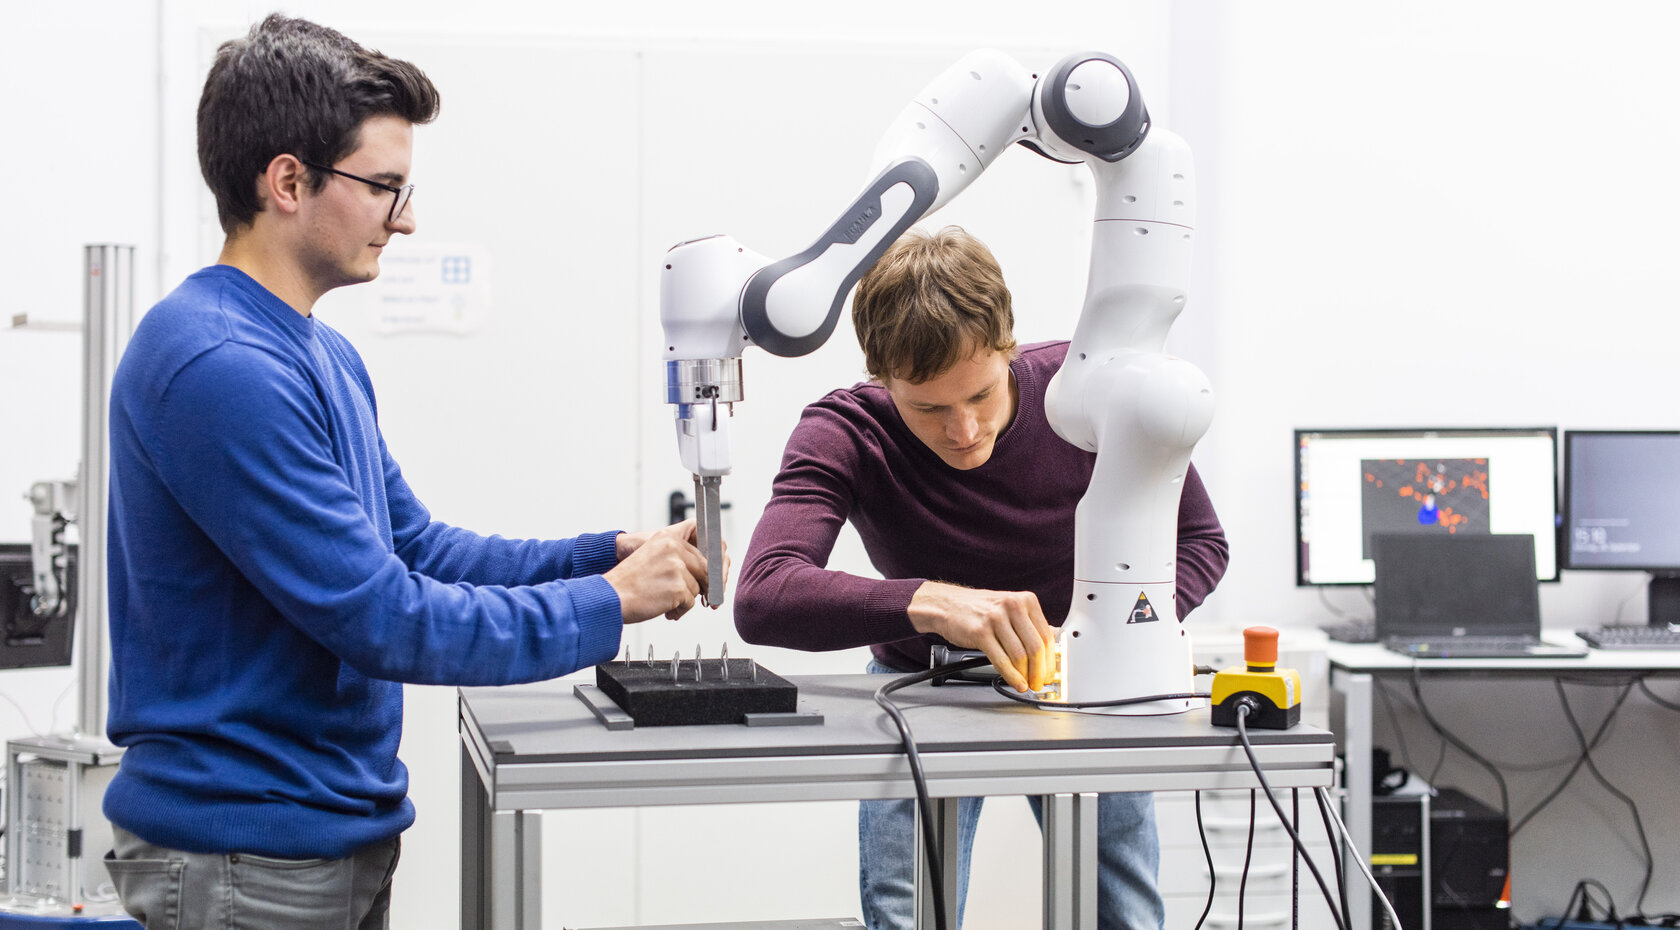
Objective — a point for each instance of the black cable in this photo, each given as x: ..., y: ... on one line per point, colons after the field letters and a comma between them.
x: 1580, y: 760
x: 1243, y: 710
x: 1248, y: 858
x: 1335, y: 858
x: 1638, y: 822
x: 936, y: 878
x: 1394, y: 722
x: 1295, y: 865
x: 1001, y: 688
x: 1582, y: 889
x: 1504, y: 765
x: 1657, y: 700
x: 1504, y: 793
x: 1569, y: 912
x: 1324, y: 598
x: 1609, y: 899
x: 1213, y: 879
x: 1633, y: 592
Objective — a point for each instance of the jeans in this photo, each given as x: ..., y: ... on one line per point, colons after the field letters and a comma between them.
x: 167, y: 889
x: 1128, y: 858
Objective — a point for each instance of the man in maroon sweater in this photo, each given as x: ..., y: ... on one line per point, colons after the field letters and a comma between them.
x: 964, y: 498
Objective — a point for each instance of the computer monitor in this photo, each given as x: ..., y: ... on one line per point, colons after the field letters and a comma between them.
x: 1351, y: 484
x: 1621, y: 508
x: 28, y: 640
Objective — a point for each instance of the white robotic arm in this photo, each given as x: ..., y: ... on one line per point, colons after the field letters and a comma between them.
x: 716, y: 296
x: 1117, y: 394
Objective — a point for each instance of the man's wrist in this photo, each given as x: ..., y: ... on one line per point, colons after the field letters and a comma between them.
x: 926, y: 609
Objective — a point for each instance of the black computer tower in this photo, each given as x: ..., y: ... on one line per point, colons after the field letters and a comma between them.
x: 1399, y: 859
x: 1460, y: 843
x: 1470, y: 858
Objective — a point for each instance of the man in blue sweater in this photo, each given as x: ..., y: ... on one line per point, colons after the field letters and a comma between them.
x: 273, y: 579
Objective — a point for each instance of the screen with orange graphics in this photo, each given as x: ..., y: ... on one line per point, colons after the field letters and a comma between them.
x: 1351, y: 484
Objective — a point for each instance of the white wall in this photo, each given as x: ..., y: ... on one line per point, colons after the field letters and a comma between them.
x: 1445, y: 213
x: 1450, y: 214
x: 1454, y: 214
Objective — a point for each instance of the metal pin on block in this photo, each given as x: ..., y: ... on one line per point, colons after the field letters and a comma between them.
x: 696, y: 661
x: 626, y: 653
x: 752, y: 664
x: 723, y: 662
x: 650, y: 653
x: 676, y: 659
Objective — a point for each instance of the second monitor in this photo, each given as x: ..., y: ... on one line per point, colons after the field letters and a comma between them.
x: 1621, y: 508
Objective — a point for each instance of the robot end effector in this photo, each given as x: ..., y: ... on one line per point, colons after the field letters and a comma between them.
x: 705, y: 392
x: 698, y: 298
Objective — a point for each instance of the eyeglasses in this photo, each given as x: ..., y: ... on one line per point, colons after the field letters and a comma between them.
x: 397, y: 206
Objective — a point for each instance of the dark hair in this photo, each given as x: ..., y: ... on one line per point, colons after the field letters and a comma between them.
x: 933, y: 300
x: 294, y: 87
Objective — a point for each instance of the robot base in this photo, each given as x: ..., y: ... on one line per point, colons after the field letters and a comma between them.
x: 1123, y: 641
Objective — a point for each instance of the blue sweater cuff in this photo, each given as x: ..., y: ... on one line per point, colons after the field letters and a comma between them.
x: 594, y: 553
x: 600, y: 621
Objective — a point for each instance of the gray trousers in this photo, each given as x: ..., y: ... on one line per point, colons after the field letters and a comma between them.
x: 166, y: 889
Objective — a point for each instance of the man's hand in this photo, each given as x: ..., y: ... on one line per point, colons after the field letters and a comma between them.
x: 659, y: 572
x: 1008, y: 626
x: 627, y: 543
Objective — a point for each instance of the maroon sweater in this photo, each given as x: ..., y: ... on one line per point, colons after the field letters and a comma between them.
x: 1005, y: 526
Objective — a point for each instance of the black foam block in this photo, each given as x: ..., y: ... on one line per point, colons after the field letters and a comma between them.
x: 649, y: 695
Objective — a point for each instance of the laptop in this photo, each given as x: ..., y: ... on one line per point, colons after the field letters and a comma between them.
x: 1460, y: 596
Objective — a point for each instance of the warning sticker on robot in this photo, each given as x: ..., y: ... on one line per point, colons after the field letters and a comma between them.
x: 1142, y: 611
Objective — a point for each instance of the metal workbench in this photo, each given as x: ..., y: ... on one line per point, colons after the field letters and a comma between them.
x: 528, y: 748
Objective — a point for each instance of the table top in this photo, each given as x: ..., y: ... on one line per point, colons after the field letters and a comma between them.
x: 1372, y: 657
x: 546, y: 722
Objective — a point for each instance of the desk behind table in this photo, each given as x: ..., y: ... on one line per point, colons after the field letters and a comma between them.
x: 533, y: 747
x: 1353, y: 670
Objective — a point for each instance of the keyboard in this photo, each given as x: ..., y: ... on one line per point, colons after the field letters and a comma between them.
x: 1352, y: 631
x: 1631, y: 637
x: 1481, y: 647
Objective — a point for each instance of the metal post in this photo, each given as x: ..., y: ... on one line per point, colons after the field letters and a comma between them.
x: 1070, y: 861
x: 475, y: 824
x: 515, y: 879
x: 1352, y: 694
x: 944, y: 812
x: 107, y: 320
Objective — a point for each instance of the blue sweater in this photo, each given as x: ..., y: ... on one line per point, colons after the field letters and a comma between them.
x: 273, y: 579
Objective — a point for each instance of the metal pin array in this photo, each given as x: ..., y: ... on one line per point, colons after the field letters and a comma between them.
x: 677, y: 660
